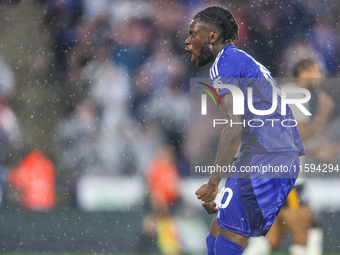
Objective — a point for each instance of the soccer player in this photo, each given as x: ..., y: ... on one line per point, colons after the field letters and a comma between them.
x: 249, y: 203
x: 295, y: 213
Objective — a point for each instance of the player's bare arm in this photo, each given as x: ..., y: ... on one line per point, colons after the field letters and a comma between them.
x: 227, y: 149
x: 325, y: 108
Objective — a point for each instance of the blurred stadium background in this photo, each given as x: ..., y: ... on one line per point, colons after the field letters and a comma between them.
x: 98, y: 88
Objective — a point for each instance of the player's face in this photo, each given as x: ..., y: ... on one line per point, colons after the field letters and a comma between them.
x: 198, y: 43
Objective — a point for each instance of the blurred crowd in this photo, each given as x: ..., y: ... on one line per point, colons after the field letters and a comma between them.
x: 120, y: 69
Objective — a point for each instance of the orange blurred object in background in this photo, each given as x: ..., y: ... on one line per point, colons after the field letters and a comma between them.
x: 163, y: 181
x: 35, y: 177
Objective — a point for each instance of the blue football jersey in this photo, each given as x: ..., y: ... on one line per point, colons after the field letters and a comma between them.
x: 235, y: 67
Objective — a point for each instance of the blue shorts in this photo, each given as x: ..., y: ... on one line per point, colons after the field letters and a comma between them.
x: 253, y: 199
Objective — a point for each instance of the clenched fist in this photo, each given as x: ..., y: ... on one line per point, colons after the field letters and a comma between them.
x: 207, y: 192
x: 210, y: 207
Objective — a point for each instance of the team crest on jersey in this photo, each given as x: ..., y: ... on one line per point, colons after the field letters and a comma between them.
x: 217, y: 81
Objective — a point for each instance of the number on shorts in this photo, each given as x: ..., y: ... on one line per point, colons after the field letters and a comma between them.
x: 227, y: 201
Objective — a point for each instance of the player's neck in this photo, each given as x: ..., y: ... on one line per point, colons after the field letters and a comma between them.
x: 221, y: 47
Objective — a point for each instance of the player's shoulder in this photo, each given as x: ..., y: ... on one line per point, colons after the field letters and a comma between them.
x: 232, y: 60
x: 231, y: 55
x: 235, y: 54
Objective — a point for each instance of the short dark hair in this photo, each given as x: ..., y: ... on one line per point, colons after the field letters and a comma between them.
x: 302, y: 65
x: 222, y: 20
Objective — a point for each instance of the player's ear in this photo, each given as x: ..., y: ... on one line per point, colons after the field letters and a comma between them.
x: 213, y: 36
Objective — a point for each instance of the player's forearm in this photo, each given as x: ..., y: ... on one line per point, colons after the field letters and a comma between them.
x: 227, y: 149
x: 308, y: 130
x: 320, y: 119
x: 305, y: 131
